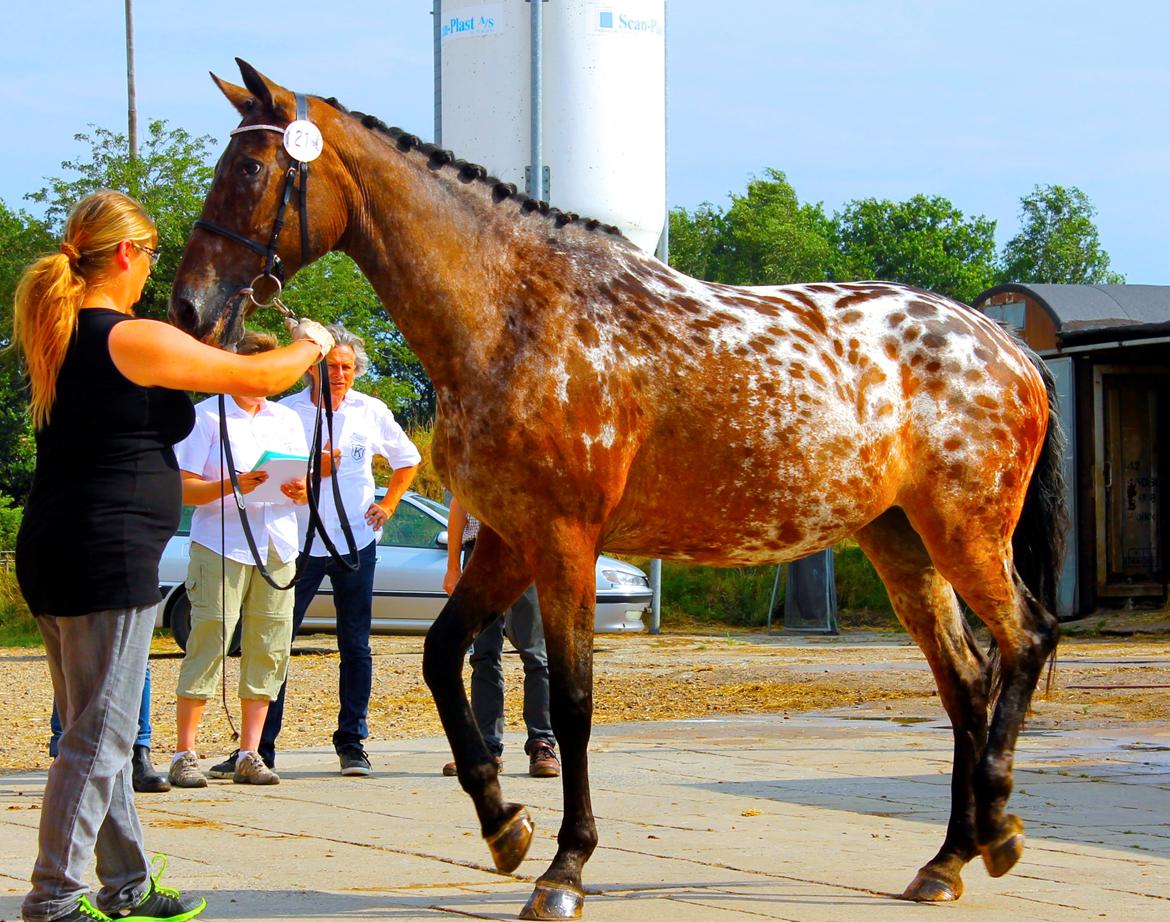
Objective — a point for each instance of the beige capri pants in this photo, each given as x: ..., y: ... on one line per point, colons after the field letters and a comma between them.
x: 266, y: 635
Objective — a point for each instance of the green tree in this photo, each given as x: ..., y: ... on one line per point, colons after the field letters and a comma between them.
x: 695, y: 241
x: 766, y: 237
x: 170, y: 177
x: 22, y: 239
x: 772, y: 239
x: 1058, y: 241
x: 924, y: 241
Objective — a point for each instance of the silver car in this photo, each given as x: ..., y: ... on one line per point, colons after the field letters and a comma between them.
x: 408, y: 580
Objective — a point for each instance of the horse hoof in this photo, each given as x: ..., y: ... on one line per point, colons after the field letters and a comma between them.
x: 554, y: 901
x: 1000, y: 857
x: 509, y: 844
x: 926, y: 888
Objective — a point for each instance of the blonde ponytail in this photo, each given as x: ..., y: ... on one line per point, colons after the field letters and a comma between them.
x: 51, y: 292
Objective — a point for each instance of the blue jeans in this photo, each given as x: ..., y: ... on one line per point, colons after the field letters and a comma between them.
x: 97, y: 663
x: 143, y: 721
x: 353, y: 593
x: 524, y: 629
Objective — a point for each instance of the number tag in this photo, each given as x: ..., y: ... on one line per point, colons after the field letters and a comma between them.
x: 303, y: 141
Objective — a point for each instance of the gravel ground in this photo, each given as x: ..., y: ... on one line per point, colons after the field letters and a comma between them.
x: 637, y: 677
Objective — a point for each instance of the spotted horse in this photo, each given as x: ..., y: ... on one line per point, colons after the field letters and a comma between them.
x: 591, y: 397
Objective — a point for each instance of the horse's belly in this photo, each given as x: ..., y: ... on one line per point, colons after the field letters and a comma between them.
x: 748, y: 499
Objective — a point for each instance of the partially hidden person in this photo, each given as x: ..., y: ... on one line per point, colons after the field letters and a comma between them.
x: 224, y: 585
x: 523, y: 627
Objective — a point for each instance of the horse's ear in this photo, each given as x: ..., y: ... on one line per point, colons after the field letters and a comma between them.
x: 237, y: 95
x: 255, y: 81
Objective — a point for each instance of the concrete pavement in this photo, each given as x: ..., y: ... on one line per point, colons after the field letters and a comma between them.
x: 817, y: 817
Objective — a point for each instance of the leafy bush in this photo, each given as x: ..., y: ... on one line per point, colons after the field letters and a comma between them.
x: 10, y: 516
x: 17, y: 628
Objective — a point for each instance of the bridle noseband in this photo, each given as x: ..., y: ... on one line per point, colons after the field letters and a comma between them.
x: 270, y: 279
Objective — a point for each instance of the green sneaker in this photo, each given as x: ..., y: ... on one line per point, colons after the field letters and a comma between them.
x: 161, y: 904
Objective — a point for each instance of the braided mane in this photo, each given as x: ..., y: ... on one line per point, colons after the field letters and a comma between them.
x: 438, y: 157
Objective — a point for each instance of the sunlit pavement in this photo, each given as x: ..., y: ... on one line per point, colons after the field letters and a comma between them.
x: 817, y: 817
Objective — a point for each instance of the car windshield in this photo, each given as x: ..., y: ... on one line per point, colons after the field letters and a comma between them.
x: 431, y: 504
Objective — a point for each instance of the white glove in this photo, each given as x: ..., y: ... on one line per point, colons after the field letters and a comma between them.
x: 313, y: 331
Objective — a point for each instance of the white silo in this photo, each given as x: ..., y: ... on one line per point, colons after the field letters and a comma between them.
x: 604, y: 102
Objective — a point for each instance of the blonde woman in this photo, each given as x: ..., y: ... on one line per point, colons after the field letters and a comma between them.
x: 107, y: 403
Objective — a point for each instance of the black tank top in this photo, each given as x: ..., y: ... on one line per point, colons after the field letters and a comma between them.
x: 106, y: 494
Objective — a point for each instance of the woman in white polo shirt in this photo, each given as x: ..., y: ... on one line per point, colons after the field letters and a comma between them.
x: 223, y: 581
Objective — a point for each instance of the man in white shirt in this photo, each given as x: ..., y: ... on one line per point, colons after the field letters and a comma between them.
x: 363, y: 426
x: 223, y: 581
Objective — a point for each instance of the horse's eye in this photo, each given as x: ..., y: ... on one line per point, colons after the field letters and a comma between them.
x: 250, y: 168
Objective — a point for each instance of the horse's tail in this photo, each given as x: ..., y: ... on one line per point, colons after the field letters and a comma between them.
x: 1039, y: 539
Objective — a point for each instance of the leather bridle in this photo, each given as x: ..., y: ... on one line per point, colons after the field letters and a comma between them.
x: 265, y: 288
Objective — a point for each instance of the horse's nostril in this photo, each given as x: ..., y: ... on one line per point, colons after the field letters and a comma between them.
x: 184, y: 314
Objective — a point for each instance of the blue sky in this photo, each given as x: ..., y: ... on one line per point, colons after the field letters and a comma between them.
x: 977, y: 102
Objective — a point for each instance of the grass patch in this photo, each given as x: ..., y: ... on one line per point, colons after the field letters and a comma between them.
x: 17, y: 627
x: 699, y: 596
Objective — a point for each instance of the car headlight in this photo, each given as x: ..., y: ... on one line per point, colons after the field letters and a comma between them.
x: 623, y: 578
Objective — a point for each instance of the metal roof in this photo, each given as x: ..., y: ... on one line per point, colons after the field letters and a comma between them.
x: 1079, y: 308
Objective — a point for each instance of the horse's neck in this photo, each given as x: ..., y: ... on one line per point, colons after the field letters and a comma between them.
x: 423, y: 240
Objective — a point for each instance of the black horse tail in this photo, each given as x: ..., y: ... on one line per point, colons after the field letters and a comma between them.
x: 1039, y: 540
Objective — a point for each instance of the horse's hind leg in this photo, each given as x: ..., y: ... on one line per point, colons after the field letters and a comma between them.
x: 926, y: 605
x: 977, y: 562
x: 493, y: 580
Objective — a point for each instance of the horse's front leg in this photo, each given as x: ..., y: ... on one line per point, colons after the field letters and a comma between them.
x: 566, y: 586
x: 492, y: 581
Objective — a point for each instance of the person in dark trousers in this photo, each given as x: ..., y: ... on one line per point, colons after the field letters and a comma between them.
x: 144, y: 778
x: 106, y: 396
x: 363, y: 426
x: 523, y: 626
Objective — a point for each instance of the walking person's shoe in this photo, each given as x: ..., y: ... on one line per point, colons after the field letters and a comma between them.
x: 543, y: 761
x: 84, y: 911
x: 451, y: 771
x: 250, y: 769
x: 354, y: 761
x: 161, y: 904
x: 185, y: 772
x: 145, y: 779
x: 227, y: 768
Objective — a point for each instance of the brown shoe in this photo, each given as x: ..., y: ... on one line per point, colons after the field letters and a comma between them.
x: 451, y: 771
x: 250, y: 769
x: 543, y: 762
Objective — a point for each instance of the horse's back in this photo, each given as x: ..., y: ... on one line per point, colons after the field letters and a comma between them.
x: 788, y: 417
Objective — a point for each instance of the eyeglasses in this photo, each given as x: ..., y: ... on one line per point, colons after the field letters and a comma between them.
x: 155, y: 253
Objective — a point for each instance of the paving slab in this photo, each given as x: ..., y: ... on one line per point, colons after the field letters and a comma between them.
x: 812, y: 818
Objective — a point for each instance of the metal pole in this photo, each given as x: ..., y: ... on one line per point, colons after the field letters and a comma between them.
x: 536, y: 175
x: 437, y: 16
x: 663, y: 253
x: 775, y: 587
x: 131, y: 100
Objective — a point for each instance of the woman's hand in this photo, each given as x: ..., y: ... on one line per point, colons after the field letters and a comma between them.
x: 451, y: 578
x: 250, y: 480
x: 296, y: 490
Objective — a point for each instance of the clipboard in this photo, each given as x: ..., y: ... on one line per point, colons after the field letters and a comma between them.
x: 281, y: 468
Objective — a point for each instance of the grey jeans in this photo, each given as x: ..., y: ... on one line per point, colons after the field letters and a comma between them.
x: 98, y: 664
x: 524, y: 629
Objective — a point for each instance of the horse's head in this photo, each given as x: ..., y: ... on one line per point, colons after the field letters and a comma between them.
x: 246, y: 239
